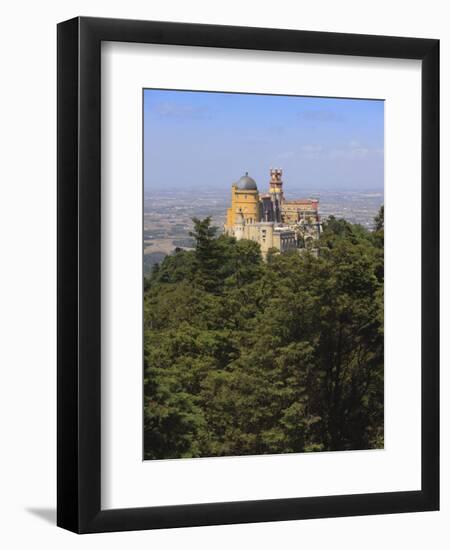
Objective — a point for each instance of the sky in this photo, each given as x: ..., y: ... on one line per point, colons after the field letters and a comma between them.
x: 198, y: 139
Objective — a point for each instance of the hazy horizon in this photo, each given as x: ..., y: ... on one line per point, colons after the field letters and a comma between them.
x: 195, y: 140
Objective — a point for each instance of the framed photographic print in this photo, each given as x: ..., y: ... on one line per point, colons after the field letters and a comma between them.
x: 248, y: 293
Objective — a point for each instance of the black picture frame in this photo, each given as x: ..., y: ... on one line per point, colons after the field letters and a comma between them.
x: 79, y: 281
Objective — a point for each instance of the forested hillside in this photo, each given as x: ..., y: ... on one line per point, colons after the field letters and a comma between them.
x: 246, y: 357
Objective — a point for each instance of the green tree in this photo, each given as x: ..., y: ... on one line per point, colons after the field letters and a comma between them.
x: 379, y: 219
x: 243, y: 356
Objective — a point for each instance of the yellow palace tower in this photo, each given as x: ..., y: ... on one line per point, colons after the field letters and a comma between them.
x: 276, y: 184
x: 244, y: 202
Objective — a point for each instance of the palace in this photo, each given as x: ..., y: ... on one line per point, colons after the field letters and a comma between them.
x: 269, y: 219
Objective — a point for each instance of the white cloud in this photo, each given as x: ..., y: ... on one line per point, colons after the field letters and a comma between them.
x: 311, y: 151
x: 354, y: 150
x: 177, y: 110
x: 285, y: 155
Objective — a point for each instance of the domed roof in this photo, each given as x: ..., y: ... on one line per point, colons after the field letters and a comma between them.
x: 246, y: 182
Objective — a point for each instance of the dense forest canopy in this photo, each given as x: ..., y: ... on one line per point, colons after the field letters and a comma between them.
x: 244, y: 356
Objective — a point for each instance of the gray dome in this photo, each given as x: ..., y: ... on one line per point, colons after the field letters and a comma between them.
x: 246, y: 182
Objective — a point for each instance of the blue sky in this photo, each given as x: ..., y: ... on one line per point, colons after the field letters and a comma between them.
x: 194, y: 139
